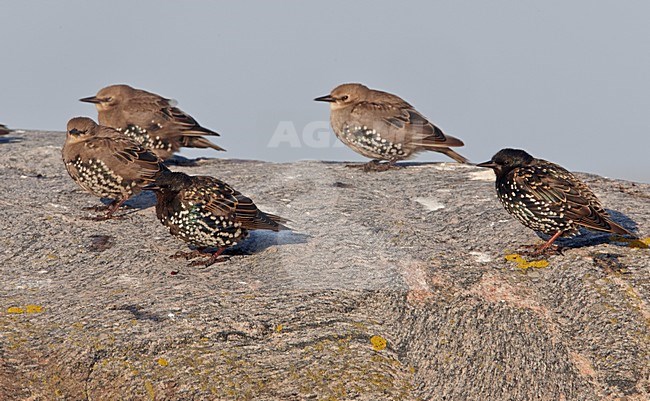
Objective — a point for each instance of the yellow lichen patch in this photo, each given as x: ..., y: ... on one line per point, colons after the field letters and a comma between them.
x: 15, y: 309
x: 162, y: 362
x: 642, y: 243
x: 279, y: 328
x: 524, y: 264
x: 33, y: 309
x: 149, y: 387
x: 378, y: 343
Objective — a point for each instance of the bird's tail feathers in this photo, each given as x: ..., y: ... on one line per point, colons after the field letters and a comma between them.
x: 618, y: 229
x: 199, y: 142
x: 446, y: 151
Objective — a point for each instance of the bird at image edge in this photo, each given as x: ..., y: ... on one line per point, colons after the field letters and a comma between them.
x: 546, y: 197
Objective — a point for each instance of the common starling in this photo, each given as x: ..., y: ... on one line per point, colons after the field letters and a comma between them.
x: 4, y: 130
x: 150, y: 119
x: 383, y: 126
x: 106, y: 163
x: 546, y: 197
x: 207, y: 212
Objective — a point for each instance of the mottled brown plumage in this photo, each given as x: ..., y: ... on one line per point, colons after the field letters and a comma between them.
x: 106, y: 163
x: 207, y: 212
x: 152, y: 120
x: 383, y: 126
x: 546, y: 197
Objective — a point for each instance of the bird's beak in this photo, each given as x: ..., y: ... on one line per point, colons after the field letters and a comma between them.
x: 90, y: 99
x: 488, y: 164
x: 151, y: 187
x: 326, y: 98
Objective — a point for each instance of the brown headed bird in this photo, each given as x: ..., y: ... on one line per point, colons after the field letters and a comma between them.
x: 106, y: 163
x: 150, y: 119
x: 207, y: 212
x: 546, y: 197
x: 382, y: 126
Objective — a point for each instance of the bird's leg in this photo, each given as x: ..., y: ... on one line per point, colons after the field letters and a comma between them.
x: 97, y: 208
x: 548, y: 243
x: 193, y: 254
x: 361, y: 165
x: 375, y: 165
x: 213, y: 259
x: 112, y: 208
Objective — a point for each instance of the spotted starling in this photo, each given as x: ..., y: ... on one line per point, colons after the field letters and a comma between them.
x: 4, y: 130
x: 152, y: 120
x: 207, y: 212
x: 546, y: 197
x: 382, y: 126
x: 106, y: 163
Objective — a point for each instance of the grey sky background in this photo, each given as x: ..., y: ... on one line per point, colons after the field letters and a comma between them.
x: 569, y: 81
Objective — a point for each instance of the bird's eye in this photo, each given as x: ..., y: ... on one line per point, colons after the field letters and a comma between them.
x: 344, y: 98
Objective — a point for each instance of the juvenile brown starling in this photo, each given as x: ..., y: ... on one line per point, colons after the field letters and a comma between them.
x: 382, y: 126
x: 546, y: 197
x: 207, y: 212
x: 106, y: 163
x: 150, y: 119
x: 4, y: 130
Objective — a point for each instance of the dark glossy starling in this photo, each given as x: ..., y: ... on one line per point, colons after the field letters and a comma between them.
x: 207, y: 212
x: 4, y: 130
x: 152, y: 120
x: 106, y: 163
x: 546, y: 197
x: 382, y: 126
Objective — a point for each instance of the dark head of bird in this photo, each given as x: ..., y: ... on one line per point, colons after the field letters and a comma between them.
x: 507, y: 159
x: 80, y: 127
x: 170, y: 182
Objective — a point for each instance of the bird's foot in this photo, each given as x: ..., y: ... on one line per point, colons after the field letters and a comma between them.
x: 189, y: 255
x: 104, y: 217
x: 383, y: 167
x: 537, y: 250
x: 375, y: 165
x: 213, y: 259
x: 96, y: 208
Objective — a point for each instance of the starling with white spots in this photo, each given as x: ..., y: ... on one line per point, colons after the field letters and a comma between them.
x: 382, y: 126
x: 207, y: 212
x: 152, y: 120
x: 546, y: 197
x: 106, y: 163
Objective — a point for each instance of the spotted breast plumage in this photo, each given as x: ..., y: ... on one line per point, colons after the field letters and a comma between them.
x: 107, y: 164
x: 546, y: 197
x: 382, y: 126
x: 207, y: 212
x: 152, y: 120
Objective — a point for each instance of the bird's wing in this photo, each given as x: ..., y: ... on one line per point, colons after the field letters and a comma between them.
x: 184, y: 122
x: 130, y: 159
x: 221, y: 199
x: 154, y: 113
x: 253, y: 218
x: 401, y: 121
x: 558, y: 187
